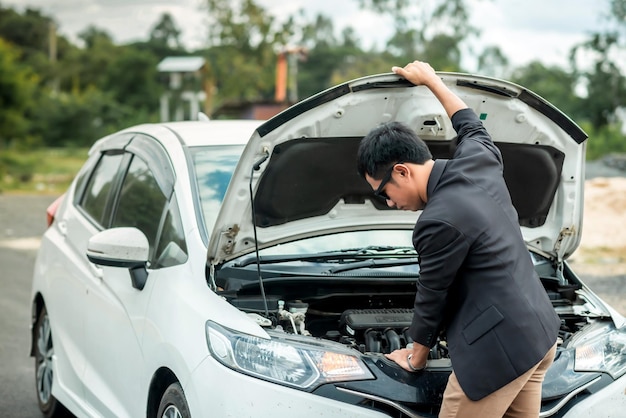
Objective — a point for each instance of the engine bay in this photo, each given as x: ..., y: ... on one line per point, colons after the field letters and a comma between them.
x: 368, y: 313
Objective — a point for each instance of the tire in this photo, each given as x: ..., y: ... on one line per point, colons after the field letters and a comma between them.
x: 44, y: 371
x: 173, y: 403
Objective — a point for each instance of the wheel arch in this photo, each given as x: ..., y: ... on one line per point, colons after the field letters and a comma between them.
x: 36, y: 308
x: 161, y: 380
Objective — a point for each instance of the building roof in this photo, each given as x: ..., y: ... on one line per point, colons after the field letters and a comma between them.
x: 180, y: 64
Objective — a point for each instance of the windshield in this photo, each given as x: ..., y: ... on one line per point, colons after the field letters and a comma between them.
x: 213, y: 167
x: 343, y: 241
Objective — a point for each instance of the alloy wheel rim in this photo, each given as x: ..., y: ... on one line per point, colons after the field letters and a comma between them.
x: 171, y: 412
x: 44, y: 366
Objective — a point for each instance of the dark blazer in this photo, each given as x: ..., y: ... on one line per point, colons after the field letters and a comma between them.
x: 477, y: 279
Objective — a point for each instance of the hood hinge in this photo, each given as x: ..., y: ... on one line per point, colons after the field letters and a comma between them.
x: 565, y: 232
x: 229, y: 237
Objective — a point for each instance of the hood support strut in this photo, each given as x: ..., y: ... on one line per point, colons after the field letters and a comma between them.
x: 256, y: 167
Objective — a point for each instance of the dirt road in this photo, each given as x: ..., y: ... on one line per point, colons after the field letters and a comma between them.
x: 601, y: 256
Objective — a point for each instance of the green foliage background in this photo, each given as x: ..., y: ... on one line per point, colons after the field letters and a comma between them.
x: 59, y: 95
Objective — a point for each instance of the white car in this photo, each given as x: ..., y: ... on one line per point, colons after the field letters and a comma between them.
x: 243, y: 268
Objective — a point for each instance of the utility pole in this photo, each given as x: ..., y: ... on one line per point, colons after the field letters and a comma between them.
x: 287, y: 73
x: 52, y: 55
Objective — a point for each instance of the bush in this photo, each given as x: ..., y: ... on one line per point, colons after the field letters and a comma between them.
x: 605, y: 141
x: 41, y: 170
x: 16, y: 167
x: 78, y: 119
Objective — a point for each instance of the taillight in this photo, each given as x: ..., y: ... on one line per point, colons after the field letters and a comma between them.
x: 52, y: 209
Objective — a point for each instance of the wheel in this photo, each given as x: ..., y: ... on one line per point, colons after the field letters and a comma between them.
x: 44, y: 372
x: 173, y: 403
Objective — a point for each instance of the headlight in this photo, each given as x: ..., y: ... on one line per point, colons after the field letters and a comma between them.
x: 283, y: 359
x: 605, y: 354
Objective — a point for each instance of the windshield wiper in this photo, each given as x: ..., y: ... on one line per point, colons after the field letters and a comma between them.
x: 371, y: 251
x: 373, y: 263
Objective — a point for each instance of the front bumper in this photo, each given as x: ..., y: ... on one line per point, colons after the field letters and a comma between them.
x: 215, y: 390
x: 610, y: 401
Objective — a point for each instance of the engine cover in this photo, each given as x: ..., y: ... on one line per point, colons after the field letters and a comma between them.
x: 377, y: 330
x: 354, y: 320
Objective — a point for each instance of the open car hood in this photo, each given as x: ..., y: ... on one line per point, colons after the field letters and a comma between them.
x: 305, y: 183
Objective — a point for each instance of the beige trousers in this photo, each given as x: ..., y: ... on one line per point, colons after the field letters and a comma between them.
x: 519, y: 399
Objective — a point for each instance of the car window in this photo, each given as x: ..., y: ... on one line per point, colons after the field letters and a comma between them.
x: 96, y: 196
x: 213, y: 167
x: 141, y: 202
x: 171, y: 249
x: 83, y: 176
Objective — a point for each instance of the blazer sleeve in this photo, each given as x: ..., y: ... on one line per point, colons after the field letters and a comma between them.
x: 470, y: 133
x: 442, y: 248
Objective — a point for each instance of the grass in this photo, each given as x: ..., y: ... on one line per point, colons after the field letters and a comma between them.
x: 46, y: 170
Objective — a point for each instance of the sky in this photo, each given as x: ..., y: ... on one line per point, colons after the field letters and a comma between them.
x: 525, y: 30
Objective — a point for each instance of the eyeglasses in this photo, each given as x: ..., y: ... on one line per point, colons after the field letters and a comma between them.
x: 379, y: 191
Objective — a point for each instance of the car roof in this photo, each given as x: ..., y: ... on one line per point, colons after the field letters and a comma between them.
x: 214, y: 132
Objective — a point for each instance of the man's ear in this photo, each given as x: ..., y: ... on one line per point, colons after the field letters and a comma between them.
x: 402, y: 169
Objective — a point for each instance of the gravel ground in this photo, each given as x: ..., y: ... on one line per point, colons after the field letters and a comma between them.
x: 600, y: 260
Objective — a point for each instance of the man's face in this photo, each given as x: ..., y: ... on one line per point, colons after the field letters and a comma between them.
x: 397, y: 189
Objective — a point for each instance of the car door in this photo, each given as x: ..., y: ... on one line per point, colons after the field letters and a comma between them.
x: 86, y: 206
x: 115, y: 318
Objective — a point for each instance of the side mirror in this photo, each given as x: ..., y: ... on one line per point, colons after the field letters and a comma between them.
x: 121, y: 247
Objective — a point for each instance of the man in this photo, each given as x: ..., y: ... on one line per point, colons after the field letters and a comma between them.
x: 477, y: 280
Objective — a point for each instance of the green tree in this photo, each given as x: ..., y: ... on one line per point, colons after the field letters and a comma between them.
x: 443, y: 52
x: 29, y: 31
x: 164, y: 39
x: 433, y: 31
x: 17, y: 86
x: 127, y: 73
x: 606, y: 140
x: 133, y: 79
x: 493, y: 62
x: 96, y: 59
x: 360, y: 64
x: 166, y: 32
x: 599, y: 66
x: 606, y: 91
x: 327, y: 58
x: 553, y: 84
x: 78, y: 119
x: 39, y: 43
x: 244, y: 40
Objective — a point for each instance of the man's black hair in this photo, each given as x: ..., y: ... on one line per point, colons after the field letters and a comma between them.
x: 387, y: 144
